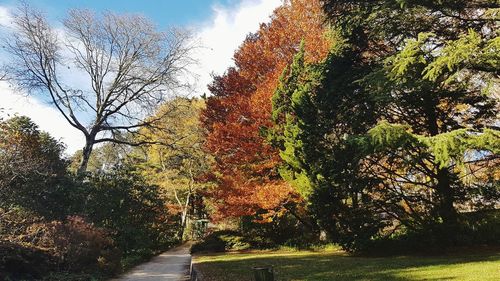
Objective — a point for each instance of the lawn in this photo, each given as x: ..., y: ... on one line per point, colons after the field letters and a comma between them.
x: 336, y: 265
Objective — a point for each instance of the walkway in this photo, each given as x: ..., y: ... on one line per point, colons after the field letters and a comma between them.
x: 172, y: 265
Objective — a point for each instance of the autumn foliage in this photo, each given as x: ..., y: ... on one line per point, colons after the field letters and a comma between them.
x: 240, y: 106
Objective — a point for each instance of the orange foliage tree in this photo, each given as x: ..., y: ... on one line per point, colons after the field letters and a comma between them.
x: 245, y: 169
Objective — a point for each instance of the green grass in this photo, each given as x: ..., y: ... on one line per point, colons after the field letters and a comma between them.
x: 331, y: 264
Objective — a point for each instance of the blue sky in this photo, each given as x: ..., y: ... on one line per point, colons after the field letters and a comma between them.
x: 220, y: 25
x: 164, y: 13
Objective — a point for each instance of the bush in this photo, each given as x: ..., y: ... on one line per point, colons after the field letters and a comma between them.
x: 131, y: 209
x: 80, y: 246
x: 483, y: 227
x: 221, y: 241
x: 31, y: 248
x: 284, y: 230
x: 20, y: 262
x: 43, y: 232
x: 473, y: 229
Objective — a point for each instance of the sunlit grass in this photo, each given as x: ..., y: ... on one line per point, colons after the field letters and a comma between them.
x: 333, y: 264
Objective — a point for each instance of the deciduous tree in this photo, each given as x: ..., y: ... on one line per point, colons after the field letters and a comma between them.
x: 32, y: 168
x: 176, y: 168
x: 130, y: 69
x: 240, y: 106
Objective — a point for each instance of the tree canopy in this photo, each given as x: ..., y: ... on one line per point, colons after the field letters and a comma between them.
x: 129, y: 66
x: 391, y: 130
x: 240, y: 106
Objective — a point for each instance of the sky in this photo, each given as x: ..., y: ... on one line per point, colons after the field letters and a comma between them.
x: 220, y: 26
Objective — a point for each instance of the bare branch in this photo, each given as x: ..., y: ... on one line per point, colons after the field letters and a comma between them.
x: 129, y: 66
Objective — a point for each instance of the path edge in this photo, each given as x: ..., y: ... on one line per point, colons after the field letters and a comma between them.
x: 194, y: 273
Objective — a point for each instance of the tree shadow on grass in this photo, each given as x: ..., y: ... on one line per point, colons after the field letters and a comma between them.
x: 336, y: 266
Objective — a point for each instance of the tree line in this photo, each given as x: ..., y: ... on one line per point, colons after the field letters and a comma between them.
x: 363, y: 123
x: 131, y: 191
x: 379, y: 122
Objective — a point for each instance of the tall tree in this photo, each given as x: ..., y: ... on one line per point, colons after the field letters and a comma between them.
x: 315, y: 108
x: 240, y: 106
x: 427, y: 72
x: 103, y: 159
x: 130, y: 66
x: 32, y: 168
x: 176, y: 169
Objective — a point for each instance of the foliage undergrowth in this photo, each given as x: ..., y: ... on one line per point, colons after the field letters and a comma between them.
x: 221, y: 241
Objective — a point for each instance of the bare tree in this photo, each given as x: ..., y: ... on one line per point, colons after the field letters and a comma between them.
x: 129, y: 69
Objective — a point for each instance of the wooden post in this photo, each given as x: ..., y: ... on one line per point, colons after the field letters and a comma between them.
x: 263, y: 273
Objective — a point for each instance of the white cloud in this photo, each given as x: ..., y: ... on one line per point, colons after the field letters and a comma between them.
x: 5, y: 17
x: 220, y: 36
x: 225, y: 32
x: 44, y: 115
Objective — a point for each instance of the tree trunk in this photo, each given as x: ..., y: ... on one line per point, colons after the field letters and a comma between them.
x: 86, y: 152
x: 185, y: 211
x: 446, y: 197
x: 301, y: 215
x: 184, y: 217
x: 445, y: 208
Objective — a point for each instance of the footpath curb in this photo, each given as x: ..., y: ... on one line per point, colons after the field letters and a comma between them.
x: 195, y: 274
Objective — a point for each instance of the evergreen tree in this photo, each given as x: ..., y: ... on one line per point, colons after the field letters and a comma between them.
x: 315, y: 108
x: 389, y: 131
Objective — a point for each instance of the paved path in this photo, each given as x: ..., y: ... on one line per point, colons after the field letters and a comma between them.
x: 169, y: 266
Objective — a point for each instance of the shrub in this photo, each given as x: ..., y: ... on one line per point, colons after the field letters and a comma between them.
x: 282, y: 230
x: 20, y: 262
x: 31, y: 248
x: 221, y: 241
x: 473, y: 229
x: 483, y: 227
x: 132, y: 210
x: 78, y: 245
